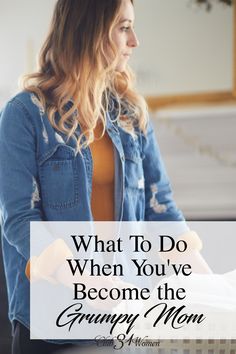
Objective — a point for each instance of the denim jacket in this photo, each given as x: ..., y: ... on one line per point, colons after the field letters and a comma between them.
x: 42, y: 178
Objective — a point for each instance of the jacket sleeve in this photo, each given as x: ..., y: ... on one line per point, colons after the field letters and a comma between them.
x: 159, y: 203
x: 19, y: 193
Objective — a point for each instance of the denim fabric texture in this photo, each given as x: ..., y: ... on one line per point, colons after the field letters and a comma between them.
x: 42, y: 178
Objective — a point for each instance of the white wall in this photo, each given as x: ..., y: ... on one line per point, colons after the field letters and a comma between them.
x: 183, y: 48
x: 23, y: 25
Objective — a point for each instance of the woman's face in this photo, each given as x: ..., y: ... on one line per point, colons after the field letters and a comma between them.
x: 123, y: 35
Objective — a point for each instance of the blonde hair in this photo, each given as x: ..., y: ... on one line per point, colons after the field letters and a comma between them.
x: 73, y: 66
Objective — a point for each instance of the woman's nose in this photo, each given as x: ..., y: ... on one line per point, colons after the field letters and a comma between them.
x: 133, y: 40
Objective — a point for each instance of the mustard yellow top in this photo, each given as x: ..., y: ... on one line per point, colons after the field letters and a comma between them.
x: 102, y: 199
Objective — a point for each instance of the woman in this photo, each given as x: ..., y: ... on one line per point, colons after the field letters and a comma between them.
x: 76, y: 144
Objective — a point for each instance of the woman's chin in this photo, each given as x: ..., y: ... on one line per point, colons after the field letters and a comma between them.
x: 121, y: 67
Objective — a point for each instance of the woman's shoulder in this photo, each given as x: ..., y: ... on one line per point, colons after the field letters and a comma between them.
x: 22, y: 114
x: 25, y: 101
x: 23, y: 107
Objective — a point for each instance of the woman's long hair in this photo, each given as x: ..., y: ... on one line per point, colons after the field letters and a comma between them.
x: 74, y: 66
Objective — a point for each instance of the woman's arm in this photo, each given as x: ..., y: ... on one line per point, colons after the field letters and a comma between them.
x: 160, y: 205
x: 19, y: 190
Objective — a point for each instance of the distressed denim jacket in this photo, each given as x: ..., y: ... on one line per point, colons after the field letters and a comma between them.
x: 42, y: 178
